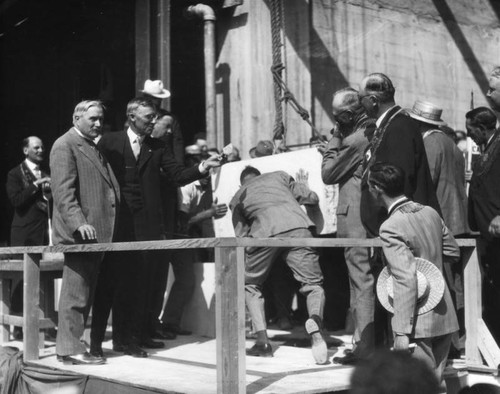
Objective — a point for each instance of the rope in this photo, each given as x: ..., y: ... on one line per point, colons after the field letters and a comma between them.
x: 279, y: 132
x: 277, y: 44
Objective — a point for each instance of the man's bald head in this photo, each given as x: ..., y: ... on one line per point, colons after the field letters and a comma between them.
x: 33, y: 149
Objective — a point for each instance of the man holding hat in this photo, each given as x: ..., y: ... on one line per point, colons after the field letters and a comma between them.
x: 447, y: 166
x: 418, y: 298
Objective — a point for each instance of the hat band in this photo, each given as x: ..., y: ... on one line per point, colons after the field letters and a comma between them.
x: 427, y: 115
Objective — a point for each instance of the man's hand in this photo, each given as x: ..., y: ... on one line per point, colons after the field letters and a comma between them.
x: 321, y: 146
x: 302, y: 177
x: 494, y: 228
x: 401, y: 342
x: 87, y: 232
x: 42, y: 181
x: 468, y: 175
x: 218, y: 210
x: 212, y: 162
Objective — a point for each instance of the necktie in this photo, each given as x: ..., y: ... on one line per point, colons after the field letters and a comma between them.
x: 37, y: 172
x: 136, y: 147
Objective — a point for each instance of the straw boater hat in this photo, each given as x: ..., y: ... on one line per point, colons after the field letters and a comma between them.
x: 430, y: 284
x: 155, y: 89
x: 426, y: 112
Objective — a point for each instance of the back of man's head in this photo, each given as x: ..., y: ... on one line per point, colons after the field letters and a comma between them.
x: 388, y: 177
x: 248, y: 173
x: 379, y: 85
x: 393, y: 372
x: 482, y: 117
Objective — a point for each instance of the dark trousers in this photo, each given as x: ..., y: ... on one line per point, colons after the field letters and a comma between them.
x: 80, y: 273
x: 490, y: 260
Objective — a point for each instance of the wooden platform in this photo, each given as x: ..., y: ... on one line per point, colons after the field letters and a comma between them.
x: 187, y: 365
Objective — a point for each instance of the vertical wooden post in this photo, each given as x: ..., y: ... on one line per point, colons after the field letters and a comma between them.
x: 472, y: 304
x: 31, y: 314
x: 5, y: 308
x: 163, y: 46
x: 230, y: 319
x: 142, y: 43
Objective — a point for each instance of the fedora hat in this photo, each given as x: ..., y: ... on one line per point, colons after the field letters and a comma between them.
x: 430, y: 287
x: 427, y: 112
x: 155, y: 89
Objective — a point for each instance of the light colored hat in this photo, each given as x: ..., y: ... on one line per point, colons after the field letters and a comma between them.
x: 155, y: 89
x: 426, y: 112
x: 192, y: 150
x: 430, y: 284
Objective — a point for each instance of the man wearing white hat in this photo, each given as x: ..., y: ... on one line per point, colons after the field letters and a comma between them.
x: 447, y: 166
x: 421, y: 306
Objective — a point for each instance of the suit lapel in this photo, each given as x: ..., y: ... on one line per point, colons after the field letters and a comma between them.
x: 91, y: 153
x: 146, y: 152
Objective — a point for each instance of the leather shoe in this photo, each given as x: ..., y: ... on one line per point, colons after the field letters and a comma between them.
x: 119, y: 347
x: 150, y: 344
x: 348, y: 359
x: 97, y: 352
x: 318, y: 344
x: 176, y: 329
x: 135, y: 351
x: 260, y: 350
x: 81, y: 359
x: 164, y: 334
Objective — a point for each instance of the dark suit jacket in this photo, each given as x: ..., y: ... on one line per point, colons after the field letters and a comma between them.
x: 484, y: 190
x: 401, y: 145
x: 29, y: 224
x: 153, y: 158
x: 85, y: 190
x: 413, y: 230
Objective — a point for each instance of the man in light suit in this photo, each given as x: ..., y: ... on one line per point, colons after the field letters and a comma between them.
x: 414, y: 230
x: 86, y: 198
x: 268, y: 205
x: 398, y: 141
x: 343, y: 164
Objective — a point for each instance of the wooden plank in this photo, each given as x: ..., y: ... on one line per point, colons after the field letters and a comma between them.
x: 142, y: 42
x: 5, y: 309
x: 31, y: 324
x: 472, y: 305
x: 45, y: 265
x: 487, y: 345
x: 163, y: 46
x: 230, y: 319
x: 14, y: 320
x: 208, y: 243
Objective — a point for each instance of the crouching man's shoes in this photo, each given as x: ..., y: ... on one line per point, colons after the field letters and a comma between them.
x: 318, y: 344
x: 348, y: 359
x: 260, y: 350
x: 81, y: 359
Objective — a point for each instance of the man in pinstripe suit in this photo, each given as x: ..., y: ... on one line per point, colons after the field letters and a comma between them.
x: 414, y: 230
x: 86, y: 197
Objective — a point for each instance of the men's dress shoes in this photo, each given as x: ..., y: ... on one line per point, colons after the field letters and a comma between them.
x: 135, y: 351
x: 97, y: 352
x: 348, y: 359
x: 260, y: 350
x: 150, y: 344
x: 119, y: 347
x: 164, y: 334
x: 176, y: 329
x: 318, y: 344
x: 82, y: 359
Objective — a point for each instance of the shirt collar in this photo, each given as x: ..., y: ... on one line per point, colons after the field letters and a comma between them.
x: 32, y: 166
x: 396, y: 203
x: 133, y: 137
x: 378, y: 122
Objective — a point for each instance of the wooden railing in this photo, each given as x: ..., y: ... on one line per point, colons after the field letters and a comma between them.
x: 230, y: 299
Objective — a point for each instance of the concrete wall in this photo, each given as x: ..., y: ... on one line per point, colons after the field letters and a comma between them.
x: 432, y: 49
